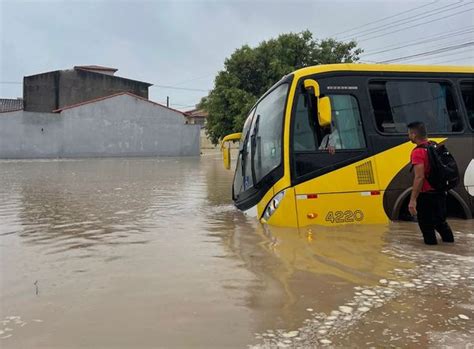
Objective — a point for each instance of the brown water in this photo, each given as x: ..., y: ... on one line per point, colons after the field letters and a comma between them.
x: 150, y: 253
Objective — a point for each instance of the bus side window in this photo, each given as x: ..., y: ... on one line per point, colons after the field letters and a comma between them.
x: 304, y: 136
x: 397, y: 103
x: 346, y: 126
x: 467, y: 91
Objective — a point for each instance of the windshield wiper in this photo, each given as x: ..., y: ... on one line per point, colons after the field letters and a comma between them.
x: 253, y: 146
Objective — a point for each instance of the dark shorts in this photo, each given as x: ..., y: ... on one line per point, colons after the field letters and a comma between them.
x: 431, y: 207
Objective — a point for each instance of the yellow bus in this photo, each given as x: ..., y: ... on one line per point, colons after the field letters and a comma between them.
x: 328, y: 144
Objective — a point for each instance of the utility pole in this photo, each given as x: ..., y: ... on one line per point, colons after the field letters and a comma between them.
x: 168, y: 101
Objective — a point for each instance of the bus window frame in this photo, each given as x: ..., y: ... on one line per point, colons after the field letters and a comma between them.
x: 251, y: 115
x: 317, y: 150
x: 361, y: 119
x: 458, y: 86
x: 404, y: 78
x: 359, y: 153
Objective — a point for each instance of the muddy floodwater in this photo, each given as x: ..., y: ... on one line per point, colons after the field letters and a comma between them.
x: 151, y: 253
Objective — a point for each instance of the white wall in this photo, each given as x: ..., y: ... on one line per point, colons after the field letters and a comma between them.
x: 119, y: 126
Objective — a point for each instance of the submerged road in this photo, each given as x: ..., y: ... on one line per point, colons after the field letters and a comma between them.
x: 150, y: 253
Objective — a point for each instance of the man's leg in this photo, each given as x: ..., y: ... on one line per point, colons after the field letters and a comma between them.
x: 429, y: 234
x: 424, y: 216
x: 445, y: 231
x: 443, y: 227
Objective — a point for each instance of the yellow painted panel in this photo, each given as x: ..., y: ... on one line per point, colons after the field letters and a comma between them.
x: 341, y: 180
x: 286, y: 180
x: 402, y: 68
x: 341, y: 208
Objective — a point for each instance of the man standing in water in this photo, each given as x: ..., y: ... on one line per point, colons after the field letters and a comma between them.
x: 426, y: 203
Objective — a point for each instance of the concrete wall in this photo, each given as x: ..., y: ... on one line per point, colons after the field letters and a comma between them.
x: 41, y: 92
x: 77, y: 86
x: 119, y: 126
x: 54, y: 90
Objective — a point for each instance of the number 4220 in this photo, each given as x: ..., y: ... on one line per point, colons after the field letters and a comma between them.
x: 344, y: 216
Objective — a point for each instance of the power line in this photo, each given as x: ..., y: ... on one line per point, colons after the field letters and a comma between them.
x: 407, y: 20
x: 428, y: 48
x: 179, y: 88
x: 193, y: 79
x: 436, y: 37
x: 456, y: 60
x: 417, y: 25
x: 452, y: 54
x: 383, y: 19
x: 429, y: 53
x: 184, y: 106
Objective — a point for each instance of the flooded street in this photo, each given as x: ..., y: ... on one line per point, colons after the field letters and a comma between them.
x: 151, y: 253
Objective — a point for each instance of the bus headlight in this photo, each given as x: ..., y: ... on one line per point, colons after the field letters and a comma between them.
x: 273, y: 205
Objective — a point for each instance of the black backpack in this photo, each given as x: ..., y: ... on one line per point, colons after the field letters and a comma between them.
x: 444, y: 173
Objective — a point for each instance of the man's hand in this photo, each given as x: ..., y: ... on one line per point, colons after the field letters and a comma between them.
x: 332, y: 149
x: 412, y: 207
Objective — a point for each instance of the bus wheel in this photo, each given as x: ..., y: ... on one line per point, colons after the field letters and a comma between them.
x: 455, y: 206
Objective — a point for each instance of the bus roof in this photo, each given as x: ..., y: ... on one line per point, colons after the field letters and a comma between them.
x: 351, y: 67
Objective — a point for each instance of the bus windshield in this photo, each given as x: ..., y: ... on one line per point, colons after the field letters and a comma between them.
x: 243, y: 175
x: 267, y: 134
x: 261, y: 143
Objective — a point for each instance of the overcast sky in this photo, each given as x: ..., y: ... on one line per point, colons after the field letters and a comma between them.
x: 184, y: 43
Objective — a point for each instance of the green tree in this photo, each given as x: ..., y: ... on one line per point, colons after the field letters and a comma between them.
x: 249, y: 72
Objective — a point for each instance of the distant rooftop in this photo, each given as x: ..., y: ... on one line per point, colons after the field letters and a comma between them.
x: 10, y: 104
x: 197, y: 113
x: 97, y: 69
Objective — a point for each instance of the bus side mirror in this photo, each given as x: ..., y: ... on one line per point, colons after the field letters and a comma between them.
x: 323, y: 103
x: 226, y: 150
x: 312, y: 86
x: 324, y: 111
x: 226, y: 156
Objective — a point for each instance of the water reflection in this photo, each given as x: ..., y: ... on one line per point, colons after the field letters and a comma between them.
x: 350, y: 253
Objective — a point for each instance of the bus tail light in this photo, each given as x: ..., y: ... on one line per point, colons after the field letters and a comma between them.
x: 370, y: 193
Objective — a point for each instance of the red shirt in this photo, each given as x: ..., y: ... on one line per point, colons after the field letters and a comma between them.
x: 420, y: 156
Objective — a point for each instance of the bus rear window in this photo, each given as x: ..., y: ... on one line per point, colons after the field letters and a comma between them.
x: 467, y: 90
x: 397, y: 103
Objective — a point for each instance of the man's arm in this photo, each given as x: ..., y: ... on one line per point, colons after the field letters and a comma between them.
x: 324, y: 141
x: 333, y: 138
x: 417, y: 185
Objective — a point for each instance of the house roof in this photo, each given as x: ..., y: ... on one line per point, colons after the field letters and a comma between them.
x: 111, y: 96
x: 95, y: 67
x: 10, y: 104
x: 196, y: 113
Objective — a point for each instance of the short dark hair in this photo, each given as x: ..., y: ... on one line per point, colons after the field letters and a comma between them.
x: 419, y: 127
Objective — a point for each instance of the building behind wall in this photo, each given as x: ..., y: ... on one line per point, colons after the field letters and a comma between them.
x: 196, y: 117
x: 57, y: 89
x: 199, y: 117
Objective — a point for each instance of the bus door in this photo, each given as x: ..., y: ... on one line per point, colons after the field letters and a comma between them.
x: 334, y: 177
